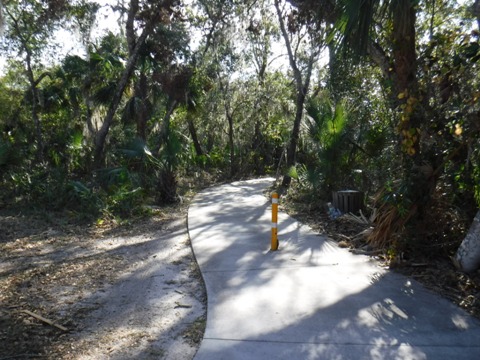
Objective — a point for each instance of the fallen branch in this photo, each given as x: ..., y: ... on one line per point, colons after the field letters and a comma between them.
x: 348, y: 238
x: 362, y: 235
x: 41, y: 318
x: 178, y: 305
x: 365, y: 252
x: 361, y: 218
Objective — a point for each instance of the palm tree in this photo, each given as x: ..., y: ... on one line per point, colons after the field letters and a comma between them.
x: 397, y: 60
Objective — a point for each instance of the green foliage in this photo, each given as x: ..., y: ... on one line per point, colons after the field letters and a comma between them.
x: 144, y: 172
x: 375, y: 141
x: 119, y: 198
x: 40, y: 186
x: 168, y: 161
x: 125, y: 195
x: 327, y: 125
x: 309, y: 179
x: 476, y: 187
x: 293, y: 173
x: 6, y: 153
x: 84, y: 200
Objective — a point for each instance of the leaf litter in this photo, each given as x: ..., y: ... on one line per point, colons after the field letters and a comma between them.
x: 76, y: 291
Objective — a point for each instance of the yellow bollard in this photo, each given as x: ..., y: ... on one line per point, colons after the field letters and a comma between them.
x: 274, y: 244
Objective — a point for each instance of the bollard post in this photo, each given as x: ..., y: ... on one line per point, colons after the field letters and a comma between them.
x: 274, y: 243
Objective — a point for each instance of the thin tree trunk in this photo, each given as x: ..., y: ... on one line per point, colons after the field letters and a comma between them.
x: 165, y: 126
x: 89, y: 119
x: 231, y: 142
x: 35, y: 117
x: 117, y: 97
x: 31, y: 79
x: 130, y: 26
x: 292, y: 147
x: 258, y: 153
x: 302, y: 85
x: 193, y: 134
x: 141, y: 112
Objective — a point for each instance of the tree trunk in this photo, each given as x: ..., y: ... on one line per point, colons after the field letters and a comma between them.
x: 405, y: 98
x: 130, y: 26
x: 141, y: 111
x: 117, y: 97
x: 292, y: 147
x: 257, y: 142
x: 141, y: 91
x: 467, y: 258
x: 35, y: 117
x: 412, y: 122
x: 302, y: 83
x: 231, y: 142
x: 405, y: 63
x: 165, y: 126
x: 193, y: 134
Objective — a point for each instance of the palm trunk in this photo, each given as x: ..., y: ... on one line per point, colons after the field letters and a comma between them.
x: 405, y: 96
x: 415, y: 163
x: 405, y: 62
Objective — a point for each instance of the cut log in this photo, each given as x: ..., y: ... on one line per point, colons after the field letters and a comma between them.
x: 467, y: 258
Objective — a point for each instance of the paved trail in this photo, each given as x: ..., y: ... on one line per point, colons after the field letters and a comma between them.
x: 310, y: 299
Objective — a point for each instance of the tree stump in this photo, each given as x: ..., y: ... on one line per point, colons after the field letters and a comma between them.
x: 348, y: 201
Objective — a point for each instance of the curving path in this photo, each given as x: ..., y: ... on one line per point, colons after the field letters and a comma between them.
x: 310, y: 299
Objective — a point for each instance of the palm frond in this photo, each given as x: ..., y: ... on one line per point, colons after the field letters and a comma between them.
x: 356, y: 22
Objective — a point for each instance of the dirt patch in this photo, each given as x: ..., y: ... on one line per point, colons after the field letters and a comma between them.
x: 120, y: 291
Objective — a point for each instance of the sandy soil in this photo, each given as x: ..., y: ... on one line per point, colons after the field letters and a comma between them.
x: 121, y: 292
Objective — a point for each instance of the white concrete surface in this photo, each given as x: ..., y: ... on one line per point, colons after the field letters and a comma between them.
x: 310, y: 299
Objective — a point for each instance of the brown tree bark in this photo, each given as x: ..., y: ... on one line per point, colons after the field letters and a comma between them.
x: 231, y: 139
x: 193, y: 133
x: 302, y: 83
x: 35, y: 116
x: 117, y: 97
x: 141, y: 111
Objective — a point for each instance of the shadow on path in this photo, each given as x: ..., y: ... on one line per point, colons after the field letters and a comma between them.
x: 310, y: 299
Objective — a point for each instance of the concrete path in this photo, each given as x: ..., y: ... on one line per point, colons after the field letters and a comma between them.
x: 310, y: 299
